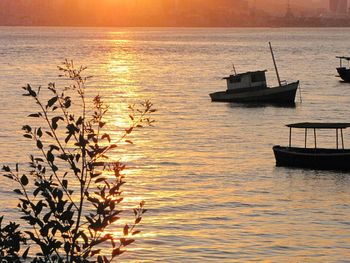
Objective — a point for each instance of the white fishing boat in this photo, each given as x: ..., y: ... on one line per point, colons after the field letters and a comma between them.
x: 252, y: 87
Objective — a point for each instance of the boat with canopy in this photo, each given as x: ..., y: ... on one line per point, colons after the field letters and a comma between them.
x: 314, y: 157
x: 344, y: 72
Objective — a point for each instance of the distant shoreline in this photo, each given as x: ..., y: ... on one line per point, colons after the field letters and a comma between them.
x: 155, y: 26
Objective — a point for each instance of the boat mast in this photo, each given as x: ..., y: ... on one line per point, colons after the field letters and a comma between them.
x: 274, y: 62
x: 234, y: 69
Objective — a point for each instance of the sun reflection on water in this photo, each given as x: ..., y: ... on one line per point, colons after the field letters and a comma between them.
x: 123, y: 89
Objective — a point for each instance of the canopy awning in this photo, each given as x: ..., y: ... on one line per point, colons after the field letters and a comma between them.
x: 342, y: 57
x: 319, y: 125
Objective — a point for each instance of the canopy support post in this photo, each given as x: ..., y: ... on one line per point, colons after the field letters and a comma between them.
x: 305, y: 137
x: 342, y: 138
x: 337, y: 139
x: 315, y: 138
x: 290, y: 137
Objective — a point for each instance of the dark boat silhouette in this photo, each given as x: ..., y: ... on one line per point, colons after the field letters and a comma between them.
x: 315, y: 158
x: 344, y: 72
x: 252, y: 87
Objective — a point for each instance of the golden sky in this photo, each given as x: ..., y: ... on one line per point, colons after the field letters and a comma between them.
x: 143, y: 12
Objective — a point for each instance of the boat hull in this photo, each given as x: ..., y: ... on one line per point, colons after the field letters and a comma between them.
x: 279, y: 95
x: 344, y: 74
x: 320, y: 159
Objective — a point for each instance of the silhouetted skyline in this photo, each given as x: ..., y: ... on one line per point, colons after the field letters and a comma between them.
x: 165, y: 12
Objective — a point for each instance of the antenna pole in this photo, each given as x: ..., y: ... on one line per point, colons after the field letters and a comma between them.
x: 274, y: 62
x: 234, y: 69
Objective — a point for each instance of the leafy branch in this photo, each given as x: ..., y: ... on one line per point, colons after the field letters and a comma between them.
x: 65, y: 196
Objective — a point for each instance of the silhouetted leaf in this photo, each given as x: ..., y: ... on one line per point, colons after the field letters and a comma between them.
x: 116, y: 252
x: 44, y: 231
x: 65, y: 183
x: 93, y: 200
x: 59, y: 194
x: 30, y: 91
x: 46, y: 217
x: 112, y: 146
x: 39, y: 132
x: 126, y: 242
x: 126, y: 230
x: 63, y: 156
x: 25, y: 253
x: 136, y: 232
x: 79, y: 121
x: 30, y: 219
x: 128, y: 131
x: 54, y: 147
x: 99, y: 180
x: 67, y: 102
x: 101, y: 124
x: 51, y: 102
x: 24, y: 180
x: 39, y: 144
x: 34, y: 115
x: 77, y: 157
x: 27, y: 128
x: 54, y: 168
x: 54, y: 122
x: 85, y: 238
x: 17, y: 191
x: 50, y: 157
x: 106, y: 136
x: 36, y: 191
x: 67, y: 247
x: 39, y: 207
x: 49, y: 133
x: 6, y: 168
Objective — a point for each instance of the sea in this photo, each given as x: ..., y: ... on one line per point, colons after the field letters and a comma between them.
x: 205, y: 170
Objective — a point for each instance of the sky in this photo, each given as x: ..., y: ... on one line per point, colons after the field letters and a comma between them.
x: 146, y: 12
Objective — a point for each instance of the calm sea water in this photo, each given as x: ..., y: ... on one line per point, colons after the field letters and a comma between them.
x: 206, y: 170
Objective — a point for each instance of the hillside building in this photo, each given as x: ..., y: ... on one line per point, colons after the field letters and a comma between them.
x: 338, y: 7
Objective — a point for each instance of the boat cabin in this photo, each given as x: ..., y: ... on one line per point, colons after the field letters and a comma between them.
x: 247, y: 80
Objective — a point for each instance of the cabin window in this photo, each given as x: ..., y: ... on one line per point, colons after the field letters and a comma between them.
x: 258, y: 77
x: 235, y: 80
